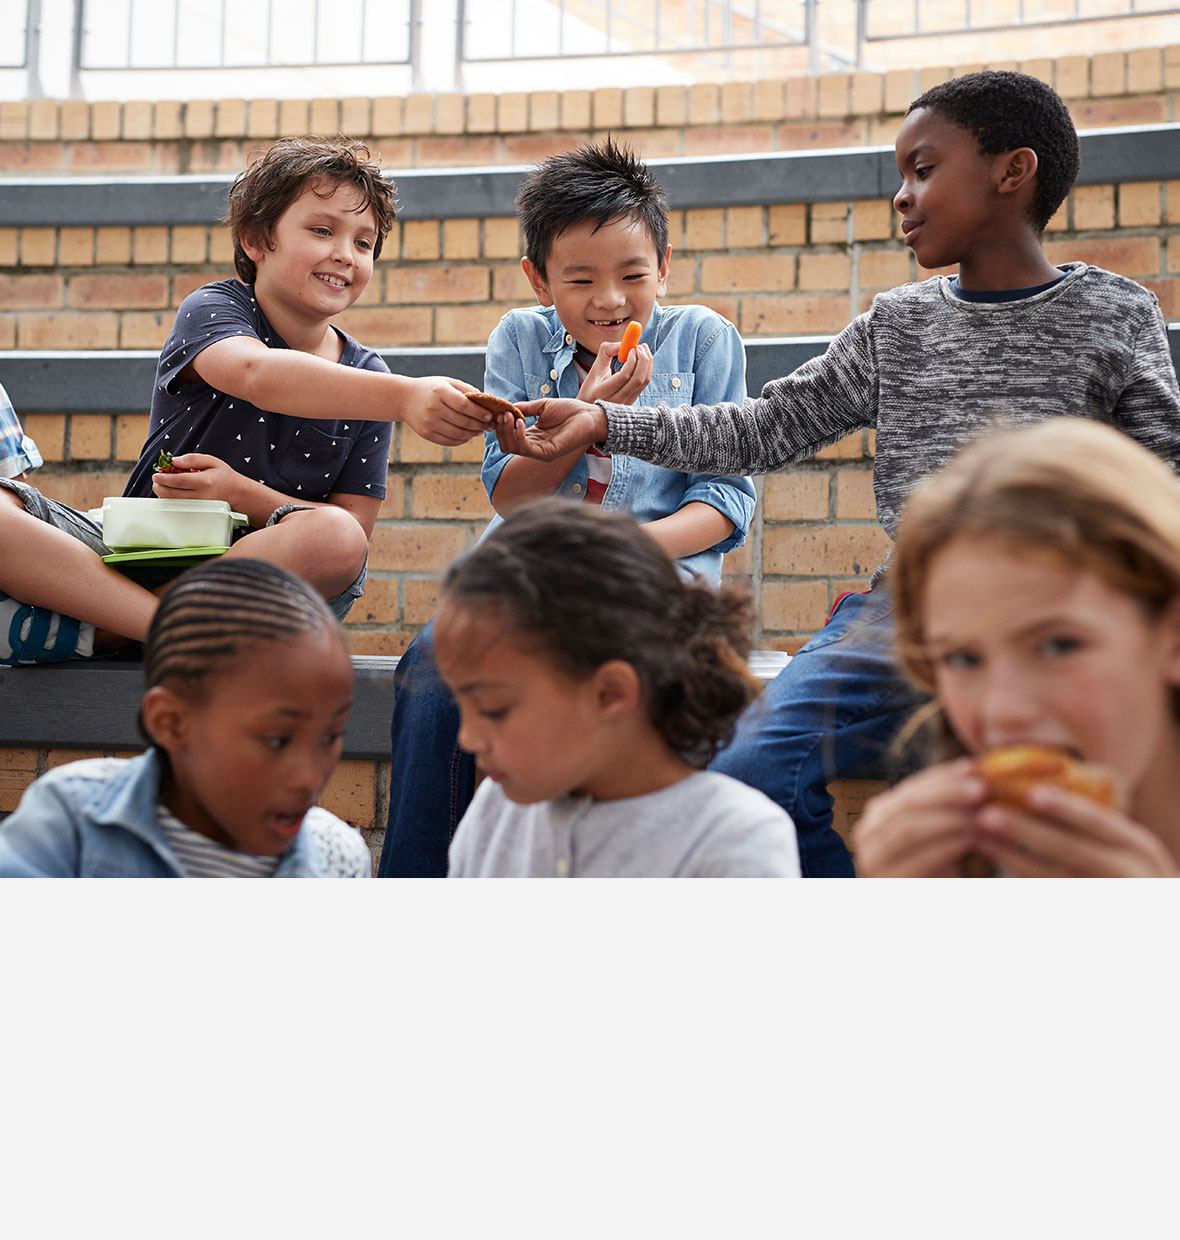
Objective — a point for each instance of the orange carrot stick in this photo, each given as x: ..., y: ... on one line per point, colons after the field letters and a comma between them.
x: 630, y: 339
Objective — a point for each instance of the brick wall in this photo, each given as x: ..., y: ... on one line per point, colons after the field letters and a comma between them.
x: 774, y: 270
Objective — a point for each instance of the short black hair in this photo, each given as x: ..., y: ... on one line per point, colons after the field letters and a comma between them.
x: 1005, y: 111
x: 597, y: 182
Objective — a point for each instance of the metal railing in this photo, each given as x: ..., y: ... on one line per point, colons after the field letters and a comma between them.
x: 924, y: 19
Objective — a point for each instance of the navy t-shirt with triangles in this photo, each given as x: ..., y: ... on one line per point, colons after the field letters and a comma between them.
x: 306, y: 458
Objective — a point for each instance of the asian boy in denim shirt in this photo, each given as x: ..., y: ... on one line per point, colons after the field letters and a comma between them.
x: 595, y: 223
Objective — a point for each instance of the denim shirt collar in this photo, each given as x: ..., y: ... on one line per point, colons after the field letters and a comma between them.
x: 128, y: 802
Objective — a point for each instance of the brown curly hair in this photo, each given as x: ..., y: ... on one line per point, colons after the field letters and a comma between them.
x: 260, y: 194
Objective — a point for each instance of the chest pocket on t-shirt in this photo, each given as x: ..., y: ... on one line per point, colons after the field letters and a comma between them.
x: 668, y: 388
x: 313, y: 461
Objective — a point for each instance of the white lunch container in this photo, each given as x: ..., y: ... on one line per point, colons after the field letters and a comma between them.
x: 129, y: 522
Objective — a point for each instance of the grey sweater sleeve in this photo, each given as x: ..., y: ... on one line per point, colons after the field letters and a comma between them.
x: 827, y: 398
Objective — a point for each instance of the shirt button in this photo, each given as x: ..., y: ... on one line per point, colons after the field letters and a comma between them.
x: 568, y: 338
x: 675, y: 383
x: 553, y: 374
x: 544, y: 389
x: 577, y: 488
x: 563, y: 867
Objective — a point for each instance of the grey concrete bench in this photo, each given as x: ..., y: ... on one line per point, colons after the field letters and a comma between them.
x: 94, y: 704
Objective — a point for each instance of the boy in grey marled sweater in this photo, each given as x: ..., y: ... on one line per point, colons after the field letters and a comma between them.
x: 985, y: 159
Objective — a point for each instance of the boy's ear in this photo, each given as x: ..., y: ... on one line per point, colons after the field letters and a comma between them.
x: 537, y: 280
x: 164, y: 715
x: 662, y: 273
x: 1018, y: 169
x: 616, y: 689
x: 254, y: 246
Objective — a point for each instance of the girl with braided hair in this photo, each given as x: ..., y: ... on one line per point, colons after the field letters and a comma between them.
x: 248, y: 688
x: 594, y: 684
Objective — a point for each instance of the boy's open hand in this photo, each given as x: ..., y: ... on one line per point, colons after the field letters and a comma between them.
x: 440, y: 412
x: 620, y: 387
x: 562, y: 426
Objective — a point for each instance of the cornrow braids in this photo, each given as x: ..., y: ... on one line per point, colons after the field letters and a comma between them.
x: 586, y: 586
x: 216, y: 611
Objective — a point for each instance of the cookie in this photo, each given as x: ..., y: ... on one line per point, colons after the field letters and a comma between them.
x: 494, y: 404
x: 1009, y: 774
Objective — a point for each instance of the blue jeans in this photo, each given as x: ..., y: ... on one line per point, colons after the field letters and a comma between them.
x: 431, y: 780
x: 832, y: 713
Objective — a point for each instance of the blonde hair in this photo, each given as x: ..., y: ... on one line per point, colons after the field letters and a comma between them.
x: 1076, y: 490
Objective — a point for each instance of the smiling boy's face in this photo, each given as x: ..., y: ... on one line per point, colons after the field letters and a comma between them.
x: 599, y: 279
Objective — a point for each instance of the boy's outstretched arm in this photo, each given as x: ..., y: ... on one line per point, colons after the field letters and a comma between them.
x: 302, y: 385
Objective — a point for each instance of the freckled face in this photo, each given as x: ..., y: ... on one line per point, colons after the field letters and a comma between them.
x: 600, y: 279
x: 321, y: 255
x: 1028, y: 650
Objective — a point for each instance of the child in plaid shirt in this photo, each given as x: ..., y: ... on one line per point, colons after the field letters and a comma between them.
x: 18, y: 453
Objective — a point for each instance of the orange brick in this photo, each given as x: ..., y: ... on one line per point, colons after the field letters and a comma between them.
x: 744, y: 228
x: 466, y: 324
x: 62, y: 757
x: 850, y: 448
x: 824, y: 271
x: 114, y: 292
x: 68, y: 331
x: 1145, y: 70
x: 411, y: 449
x: 390, y: 325
x: 787, y: 224
x: 355, y: 116
x: 850, y: 550
x: 131, y: 430
x: 90, y: 437
x: 794, y: 605
x: 768, y: 272
x: 323, y: 116
x: 448, y: 497
x: 415, y: 548
x: 796, y: 496
x: 704, y: 103
x: 878, y: 269
x: 854, y: 494
x: 230, y: 121
x: 198, y: 118
x: 389, y: 115
x: 1174, y: 253
x: 38, y: 247
x: 512, y: 112
x: 262, y: 118
x: 149, y: 245
x: 833, y: 94
x: 421, y: 239
x: 31, y: 158
x: 728, y: 140
x: 85, y: 490
x: 460, y: 239
x: 351, y: 794
x: 704, y: 230
x: 509, y: 284
x: 49, y: 432
x: 933, y: 75
x: 801, y: 96
x: 1129, y: 256
x: 872, y: 220
x: 575, y: 109
x: 736, y: 103
x: 671, y: 106
x: 190, y: 243
x: 394, y: 503
x: 1073, y: 77
x: 422, y: 595
x: 900, y: 89
x: 39, y: 292
x: 868, y: 93
x: 1140, y: 204
x: 1108, y: 74
x: 1093, y: 206
x: 380, y: 603
x: 829, y: 223
x: 470, y: 452
x: 449, y: 113
x: 111, y: 157
x: 140, y: 329
x: 75, y: 247
x: 639, y: 107
x: 544, y: 109
x: 112, y: 246
x: 769, y: 102
x: 794, y: 314
x: 1117, y: 113
x: 293, y: 116
x: 18, y: 759
x: 221, y: 248
x: 106, y: 121
x: 811, y: 135
x: 438, y: 284
x: 74, y: 120
x: 43, y: 120
x: 607, y: 108
x: 386, y: 644
x: 1172, y: 66
x: 12, y: 787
